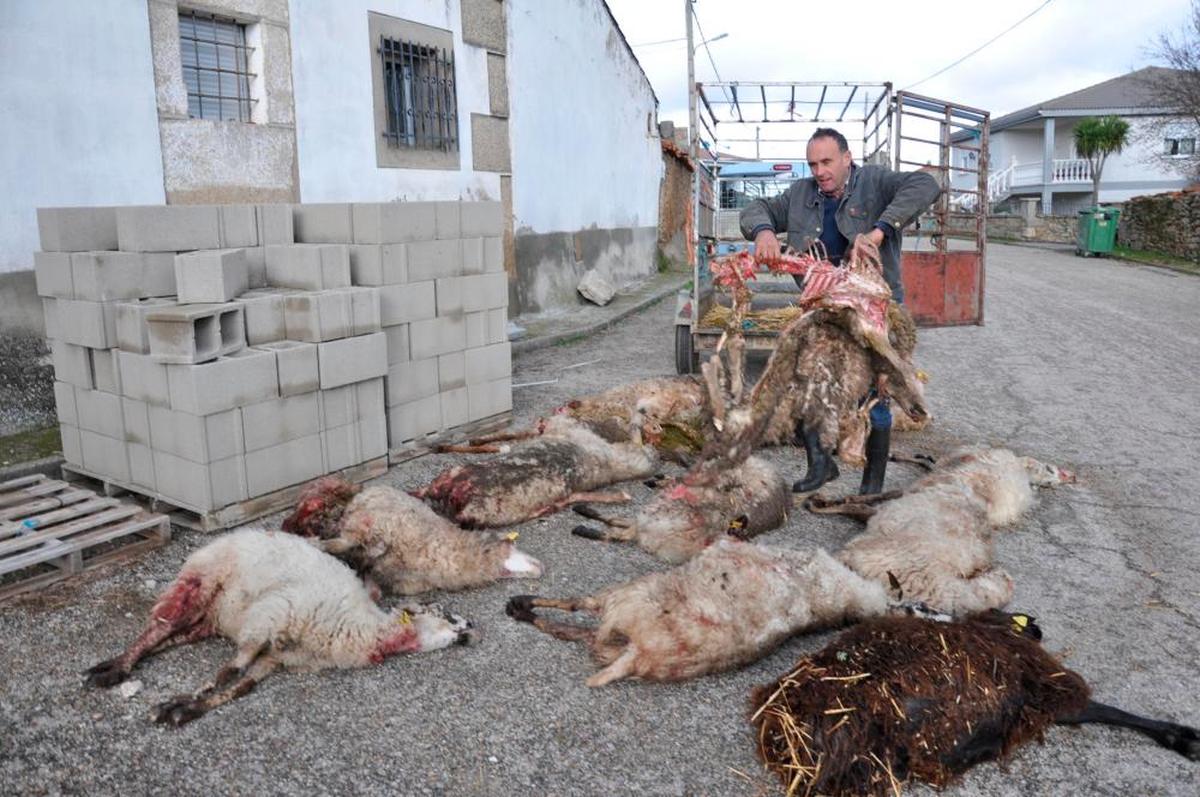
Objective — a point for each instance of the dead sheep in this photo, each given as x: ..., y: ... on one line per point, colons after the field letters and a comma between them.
x: 726, y: 607
x: 683, y: 520
x: 401, y: 544
x: 933, y: 541
x: 283, y: 603
x: 541, y: 476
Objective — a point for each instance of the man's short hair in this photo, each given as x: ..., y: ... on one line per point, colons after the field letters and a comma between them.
x: 829, y: 132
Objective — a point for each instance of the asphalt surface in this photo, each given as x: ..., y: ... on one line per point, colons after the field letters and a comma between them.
x: 1088, y: 364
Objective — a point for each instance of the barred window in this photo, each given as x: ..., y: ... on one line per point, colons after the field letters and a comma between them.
x: 1179, y: 146
x: 418, y: 87
x: 216, y: 67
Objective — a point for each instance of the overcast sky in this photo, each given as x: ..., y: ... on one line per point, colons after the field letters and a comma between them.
x: 1066, y: 46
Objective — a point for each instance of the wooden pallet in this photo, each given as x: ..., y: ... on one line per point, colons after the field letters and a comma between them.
x: 190, y: 517
x: 51, y: 530
x: 459, y: 434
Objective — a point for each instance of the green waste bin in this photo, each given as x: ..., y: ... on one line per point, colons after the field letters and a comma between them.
x: 1097, y: 231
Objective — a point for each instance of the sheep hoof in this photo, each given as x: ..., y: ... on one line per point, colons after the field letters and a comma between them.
x: 106, y: 674
x: 588, y: 533
x: 178, y: 711
x: 520, y: 608
x: 1185, y: 741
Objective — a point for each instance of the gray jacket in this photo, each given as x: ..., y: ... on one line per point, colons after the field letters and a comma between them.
x: 874, y: 194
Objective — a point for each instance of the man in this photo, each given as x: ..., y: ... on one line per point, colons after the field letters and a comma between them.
x: 839, y: 203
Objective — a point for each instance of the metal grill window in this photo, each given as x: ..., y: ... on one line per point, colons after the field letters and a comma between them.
x: 215, y: 66
x: 418, y: 86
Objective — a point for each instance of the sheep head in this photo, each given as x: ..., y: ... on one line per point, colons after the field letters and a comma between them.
x: 319, y: 511
x: 1042, y: 474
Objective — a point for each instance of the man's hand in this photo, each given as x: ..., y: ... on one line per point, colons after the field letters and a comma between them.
x: 867, y: 247
x: 766, y: 247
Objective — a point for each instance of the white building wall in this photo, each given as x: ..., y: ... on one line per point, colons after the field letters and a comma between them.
x: 79, y: 124
x: 332, y: 54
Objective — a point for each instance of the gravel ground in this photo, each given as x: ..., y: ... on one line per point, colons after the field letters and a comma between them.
x: 26, y: 383
x: 1080, y: 364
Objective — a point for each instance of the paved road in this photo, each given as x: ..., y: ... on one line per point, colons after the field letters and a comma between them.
x: 1090, y: 364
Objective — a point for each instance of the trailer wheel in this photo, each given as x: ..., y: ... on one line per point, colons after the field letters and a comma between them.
x: 686, y: 361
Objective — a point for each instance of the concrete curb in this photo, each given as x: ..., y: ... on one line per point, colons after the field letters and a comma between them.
x: 47, y: 466
x: 545, y: 341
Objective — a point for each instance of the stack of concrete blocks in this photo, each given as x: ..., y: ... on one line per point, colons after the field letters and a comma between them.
x: 439, y: 271
x: 183, y: 372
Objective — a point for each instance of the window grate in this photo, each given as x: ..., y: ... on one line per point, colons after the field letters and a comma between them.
x: 418, y: 86
x: 216, y: 66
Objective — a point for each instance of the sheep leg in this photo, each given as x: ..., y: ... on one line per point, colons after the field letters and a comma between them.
x: 1180, y: 738
x: 860, y: 507
x: 198, y: 632
x: 469, y: 449
x: 581, y: 498
x: 920, y: 460
x: 520, y: 608
x: 242, y: 674
x: 621, y: 668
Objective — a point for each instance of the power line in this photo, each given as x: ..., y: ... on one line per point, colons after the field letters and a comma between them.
x: 661, y: 41
x: 711, y: 60
x: 980, y: 47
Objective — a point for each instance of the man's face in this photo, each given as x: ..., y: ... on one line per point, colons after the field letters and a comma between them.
x: 829, y: 165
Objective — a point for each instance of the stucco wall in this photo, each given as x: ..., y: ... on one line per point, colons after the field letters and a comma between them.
x: 585, y: 152
x: 332, y: 54
x: 77, y: 130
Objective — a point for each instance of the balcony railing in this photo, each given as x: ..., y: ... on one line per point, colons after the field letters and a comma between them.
x: 1021, y: 175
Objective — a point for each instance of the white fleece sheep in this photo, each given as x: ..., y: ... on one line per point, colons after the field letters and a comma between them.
x: 282, y: 602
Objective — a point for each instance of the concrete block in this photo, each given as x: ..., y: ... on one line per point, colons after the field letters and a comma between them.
x: 493, y: 255
x: 64, y: 403
x: 370, y: 397
x: 355, y: 359
x: 270, y: 423
x: 412, y: 380
x: 495, y: 291
x: 200, y: 486
x: 293, y: 462
x: 256, y: 266
x: 437, y: 336
x: 135, y: 416
x: 77, y: 229
x: 101, y: 276
x: 52, y: 274
x: 475, y: 292
x: 195, y: 333
x: 414, y: 420
x: 104, y: 455
x: 489, y: 398
x: 455, y: 407
x: 104, y: 370
x: 397, y: 343
x: 132, y: 333
x: 324, y: 223
x: 432, y: 259
x: 399, y: 304
x: 215, y: 276
x: 144, y: 378
x: 378, y: 264
x: 100, y: 412
x: 275, y: 224
x: 71, y: 447
x: 450, y: 295
x: 394, y: 222
x: 72, y: 364
x: 341, y: 447
x: 243, y: 377
x: 297, y: 366
x: 197, y: 438
x: 497, y: 325
x: 476, y: 329
x: 373, y: 436
x: 317, y: 316
x: 364, y: 310
x: 158, y: 273
x: 447, y: 220
x: 482, y: 218
x: 168, y: 228
x: 361, y: 401
x: 489, y: 363
x: 308, y: 267
x: 452, y: 371
x: 239, y: 225
x: 472, y: 256
x: 91, y: 324
x: 141, y: 466
x: 50, y: 317
x: 262, y: 309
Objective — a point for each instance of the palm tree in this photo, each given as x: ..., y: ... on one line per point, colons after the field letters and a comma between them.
x: 1095, y: 140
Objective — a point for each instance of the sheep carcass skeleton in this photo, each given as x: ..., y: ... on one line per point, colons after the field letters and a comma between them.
x: 400, y: 543
x: 541, y: 476
x: 932, y: 541
x: 901, y: 698
x: 283, y: 603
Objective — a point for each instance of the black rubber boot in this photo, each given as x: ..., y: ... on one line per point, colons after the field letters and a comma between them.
x: 821, y: 467
x: 878, y: 445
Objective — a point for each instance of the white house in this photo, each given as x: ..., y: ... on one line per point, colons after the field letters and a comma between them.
x: 541, y: 105
x: 1032, y: 151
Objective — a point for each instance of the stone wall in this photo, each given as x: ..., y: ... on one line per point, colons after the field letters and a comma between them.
x: 1168, y: 223
x: 1014, y: 227
x: 674, y: 198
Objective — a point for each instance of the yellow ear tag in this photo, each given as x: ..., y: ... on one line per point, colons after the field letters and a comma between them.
x: 1020, y: 621
x: 405, y: 617
x: 735, y: 524
x: 922, y: 377
x: 512, y: 536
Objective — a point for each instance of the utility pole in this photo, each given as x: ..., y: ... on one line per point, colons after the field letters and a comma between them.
x: 693, y: 133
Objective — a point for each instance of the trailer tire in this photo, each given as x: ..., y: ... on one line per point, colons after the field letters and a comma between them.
x: 686, y: 361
